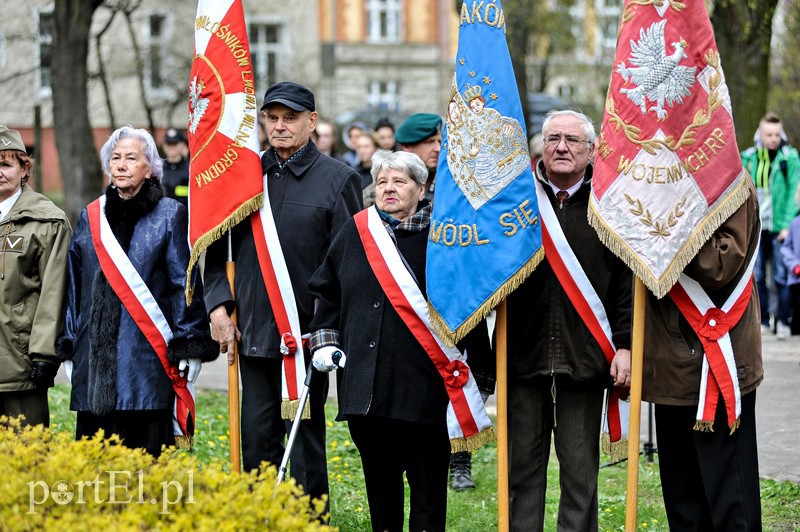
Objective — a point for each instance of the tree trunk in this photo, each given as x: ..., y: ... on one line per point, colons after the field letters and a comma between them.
x: 78, y: 159
x: 743, y: 31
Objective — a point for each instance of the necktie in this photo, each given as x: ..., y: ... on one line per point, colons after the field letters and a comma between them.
x: 561, y: 195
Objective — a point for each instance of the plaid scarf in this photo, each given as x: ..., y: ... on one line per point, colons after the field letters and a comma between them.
x: 419, y: 221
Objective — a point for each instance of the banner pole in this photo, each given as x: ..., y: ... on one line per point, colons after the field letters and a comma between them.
x: 502, y: 419
x: 637, y: 359
x: 233, y: 374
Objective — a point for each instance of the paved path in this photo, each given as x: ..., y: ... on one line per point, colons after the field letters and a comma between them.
x: 777, y: 407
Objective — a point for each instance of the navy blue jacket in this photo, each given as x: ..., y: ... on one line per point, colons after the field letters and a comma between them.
x: 160, y: 253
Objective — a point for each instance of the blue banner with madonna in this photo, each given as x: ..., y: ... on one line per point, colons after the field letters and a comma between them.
x: 485, y: 237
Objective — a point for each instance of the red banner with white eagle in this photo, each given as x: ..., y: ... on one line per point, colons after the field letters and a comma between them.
x: 225, y: 183
x: 668, y: 170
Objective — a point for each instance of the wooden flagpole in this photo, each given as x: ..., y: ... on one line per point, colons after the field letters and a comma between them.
x: 233, y: 375
x: 502, y: 418
x: 637, y: 359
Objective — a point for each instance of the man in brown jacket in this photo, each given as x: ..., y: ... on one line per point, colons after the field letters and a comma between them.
x: 709, y: 469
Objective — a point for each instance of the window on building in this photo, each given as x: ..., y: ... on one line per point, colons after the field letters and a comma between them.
x: 156, y: 50
x: 383, y: 20
x: 383, y: 97
x: 609, y: 12
x: 45, y: 41
x: 265, y: 51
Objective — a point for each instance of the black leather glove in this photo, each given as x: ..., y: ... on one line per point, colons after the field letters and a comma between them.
x: 44, y: 373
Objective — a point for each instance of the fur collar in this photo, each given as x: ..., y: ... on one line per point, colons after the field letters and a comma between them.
x: 123, y: 214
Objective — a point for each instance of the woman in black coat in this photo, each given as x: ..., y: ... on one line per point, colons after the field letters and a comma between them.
x: 389, y: 390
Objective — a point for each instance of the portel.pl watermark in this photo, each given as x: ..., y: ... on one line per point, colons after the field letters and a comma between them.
x: 112, y: 487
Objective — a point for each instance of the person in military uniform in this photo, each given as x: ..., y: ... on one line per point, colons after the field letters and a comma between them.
x: 421, y: 134
x: 176, y: 166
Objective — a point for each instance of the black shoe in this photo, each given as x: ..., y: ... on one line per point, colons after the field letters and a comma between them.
x: 461, y: 479
x: 461, y: 471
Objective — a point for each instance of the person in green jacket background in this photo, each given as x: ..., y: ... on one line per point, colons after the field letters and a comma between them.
x: 34, y: 237
x: 775, y: 168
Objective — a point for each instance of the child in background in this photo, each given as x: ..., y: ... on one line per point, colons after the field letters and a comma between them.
x: 790, y: 251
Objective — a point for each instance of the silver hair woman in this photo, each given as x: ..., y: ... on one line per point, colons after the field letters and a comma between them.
x: 406, y: 162
x: 123, y: 382
x: 149, y: 150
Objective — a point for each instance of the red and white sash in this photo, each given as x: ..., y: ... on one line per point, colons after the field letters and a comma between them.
x: 584, y: 298
x: 712, y: 326
x: 143, y: 308
x: 468, y: 423
x: 284, y: 306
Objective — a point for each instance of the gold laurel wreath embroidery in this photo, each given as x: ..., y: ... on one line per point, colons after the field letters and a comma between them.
x: 701, y: 118
x: 659, y: 227
x: 630, y: 9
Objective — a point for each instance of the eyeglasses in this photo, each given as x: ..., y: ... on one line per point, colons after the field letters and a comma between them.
x: 551, y: 141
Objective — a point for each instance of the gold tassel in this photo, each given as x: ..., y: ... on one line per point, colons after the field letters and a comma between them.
x: 474, y: 442
x: 244, y: 210
x: 183, y: 441
x: 289, y: 409
x: 704, y: 426
x: 735, y: 425
x: 616, y: 451
x: 451, y: 338
x: 660, y: 286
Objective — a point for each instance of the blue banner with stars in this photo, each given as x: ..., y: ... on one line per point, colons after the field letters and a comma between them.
x: 485, y: 237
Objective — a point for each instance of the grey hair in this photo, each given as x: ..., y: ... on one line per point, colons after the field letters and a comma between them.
x: 149, y: 150
x: 586, y: 123
x: 404, y: 161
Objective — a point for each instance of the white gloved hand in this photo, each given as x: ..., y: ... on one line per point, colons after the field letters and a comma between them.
x: 328, y: 358
x: 193, y: 371
x: 68, y: 370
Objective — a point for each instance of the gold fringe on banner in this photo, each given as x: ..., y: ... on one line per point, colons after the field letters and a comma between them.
x: 289, y: 409
x: 245, y: 209
x: 617, y: 451
x: 660, y: 286
x: 703, y: 426
x: 474, y: 442
x: 183, y: 441
x: 451, y: 337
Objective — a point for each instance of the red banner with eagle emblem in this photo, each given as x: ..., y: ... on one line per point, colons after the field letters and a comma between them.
x: 225, y: 184
x: 668, y: 170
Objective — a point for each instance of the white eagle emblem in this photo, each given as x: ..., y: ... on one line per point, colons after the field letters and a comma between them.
x: 658, y: 77
x: 197, y: 105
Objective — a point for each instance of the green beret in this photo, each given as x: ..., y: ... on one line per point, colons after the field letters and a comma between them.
x: 418, y: 127
x: 10, y: 139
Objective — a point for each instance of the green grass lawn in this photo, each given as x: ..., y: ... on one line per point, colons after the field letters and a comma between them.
x: 473, y: 510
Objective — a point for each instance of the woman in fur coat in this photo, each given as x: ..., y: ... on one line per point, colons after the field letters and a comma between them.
x: 133, y: 344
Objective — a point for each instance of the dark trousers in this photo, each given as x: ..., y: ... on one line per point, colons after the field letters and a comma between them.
x: 263, y: 429
x: 709, y: 479
x: 138, y: 429
x: 574, y: 419
x: 390, y: 448
x: 769, y: 253
x: 29, y: 403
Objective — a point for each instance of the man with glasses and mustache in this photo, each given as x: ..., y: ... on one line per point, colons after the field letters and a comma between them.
x: 556, y: 367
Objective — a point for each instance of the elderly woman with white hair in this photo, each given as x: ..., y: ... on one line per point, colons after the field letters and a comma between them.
x: 133, y: 344
x: 391, y: 390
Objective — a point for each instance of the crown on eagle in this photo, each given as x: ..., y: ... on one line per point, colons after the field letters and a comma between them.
x: 472, y: 92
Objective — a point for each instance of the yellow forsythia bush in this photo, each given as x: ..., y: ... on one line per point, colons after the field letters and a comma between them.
x: 49, y: 481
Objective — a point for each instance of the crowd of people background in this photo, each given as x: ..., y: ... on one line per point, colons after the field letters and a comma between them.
x: 61, y: 304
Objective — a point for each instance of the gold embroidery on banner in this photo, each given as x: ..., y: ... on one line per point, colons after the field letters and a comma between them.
x: 701, y: 118
x: 630, y: 9
x: 660, y: 228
